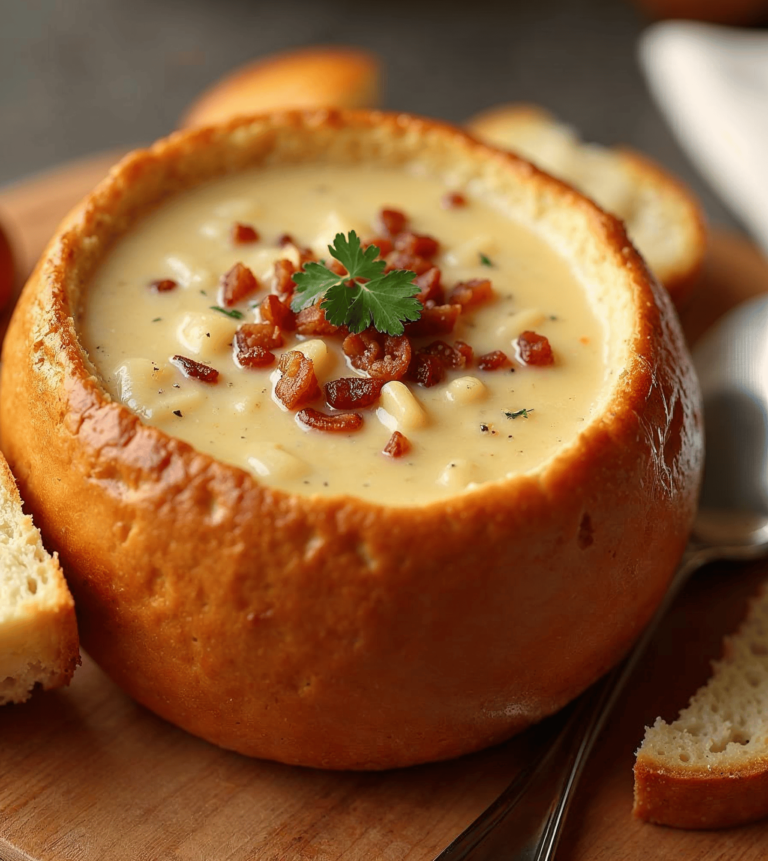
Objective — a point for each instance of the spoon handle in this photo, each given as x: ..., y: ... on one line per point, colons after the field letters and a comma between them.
x: 526, y: 821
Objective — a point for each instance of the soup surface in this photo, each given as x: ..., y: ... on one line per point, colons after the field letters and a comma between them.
x: 474, y: 426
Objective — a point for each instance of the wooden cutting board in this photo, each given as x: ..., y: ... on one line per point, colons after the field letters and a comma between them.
x: 87, y: 774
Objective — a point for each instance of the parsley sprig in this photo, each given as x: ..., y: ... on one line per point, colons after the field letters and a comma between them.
x: 366, y: 296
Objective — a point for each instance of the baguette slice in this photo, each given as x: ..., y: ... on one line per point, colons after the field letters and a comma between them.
x: 38, y: 630
x: 317, y: 77
x: 662, y: 217
x: 709, y: 769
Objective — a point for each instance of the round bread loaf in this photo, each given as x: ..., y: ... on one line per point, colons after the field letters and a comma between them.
x: 334, y: 631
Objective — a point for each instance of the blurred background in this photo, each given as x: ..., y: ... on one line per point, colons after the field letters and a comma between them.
x: 81, y: 76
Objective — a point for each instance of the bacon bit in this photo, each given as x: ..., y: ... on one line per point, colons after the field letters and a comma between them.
x: 277, y: 313
x: 163, y: 285
x: 347, y: 393
x: 195, y: 370
x: 285, y: 239
x: 426, y: 370
x: 471, y: 293
x: 416, y: 244
x: 437, y: 320
x: 298, y: 383
x: 384, y: 245
x: 534, y: 349
x: 450, y: 356
x: 466, y: 351
x: 283, y: 277
x: 236, y: 285
x: 401, y: 260
x: 430, y: 286
x: 397, y: 446
x: 312, y: 321
x: 253, y: 343
x: 305, y: 254
x: 337, y: 268
x: 492, y: 361
x: 391, y: 221
x: 341, y: 423
x: 384, y: 357
x: 243, y: 234
x: 453, y: 200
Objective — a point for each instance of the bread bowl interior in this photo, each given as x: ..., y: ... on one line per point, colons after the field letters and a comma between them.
x: 306, y: 617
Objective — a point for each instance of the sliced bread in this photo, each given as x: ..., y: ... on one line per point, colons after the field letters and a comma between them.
x: 709, y: 769
x: 662, y: 217
x: 38, y: 631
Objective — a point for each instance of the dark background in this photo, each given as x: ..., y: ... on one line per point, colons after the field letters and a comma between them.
x: 79, y: 76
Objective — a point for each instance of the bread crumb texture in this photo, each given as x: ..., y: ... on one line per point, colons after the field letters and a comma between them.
x: 38, y: 637
x: 718, y: 746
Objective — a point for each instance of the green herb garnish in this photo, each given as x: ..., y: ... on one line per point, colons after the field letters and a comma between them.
x: 363, y: 297
x: 234, y: 313
x: 518, y: 414
x: 485, y: 260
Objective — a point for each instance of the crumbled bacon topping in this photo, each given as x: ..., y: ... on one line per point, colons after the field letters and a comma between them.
x: 471, y: 293
x: 337, y: 268
x: 453, y: 200
x: 431, y: 288
x: 466, y: 351
x: 253, y: 344
x: 416, y: 245
x: 451, y: 357
x: 492, y: 361
x: 534, y: 349
x: 195, y: 370
x: 339, y: 423
x: 277, y: 313
x: 384, y: 357
x: 391, y: 221
x: 243, y: 234
x: 305, y: 254
x: 349, y: 393
x: 237, y: 284
x: 283, y: 277
x: 312, y: 321
x: 297, y: 384
x: 163, y: 285
x: 426, y: 370
x: 435, y: 320
x: 382, y: 243
x: 403, y: 260
x: 397, y: 445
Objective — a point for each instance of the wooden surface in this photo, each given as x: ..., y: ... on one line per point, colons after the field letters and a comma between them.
x: 86, y: 774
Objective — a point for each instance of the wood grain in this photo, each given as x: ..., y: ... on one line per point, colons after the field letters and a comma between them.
x: 86, y: 774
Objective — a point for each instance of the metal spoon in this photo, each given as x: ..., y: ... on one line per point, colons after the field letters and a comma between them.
x: 526, y: 821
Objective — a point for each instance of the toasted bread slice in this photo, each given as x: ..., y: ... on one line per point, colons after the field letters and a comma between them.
x: 38, y: 631
x: 709, y: 769
x: 662, y: 217
x: 318, y: 77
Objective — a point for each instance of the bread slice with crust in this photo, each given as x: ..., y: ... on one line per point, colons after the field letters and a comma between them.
x: 709, y: 769
x: 38, y: 631
x: 662, y: 217
x: 313, y: 77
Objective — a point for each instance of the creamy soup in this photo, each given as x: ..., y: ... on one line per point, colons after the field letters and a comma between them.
x: 473, y: 427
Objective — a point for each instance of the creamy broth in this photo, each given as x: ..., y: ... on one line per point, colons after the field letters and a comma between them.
x: 461, y: 431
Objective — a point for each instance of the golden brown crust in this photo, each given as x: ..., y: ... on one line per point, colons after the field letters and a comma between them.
x: 701, y: 799
x: 678, y: 275
x: 316, y: 77
x: 330, y: 631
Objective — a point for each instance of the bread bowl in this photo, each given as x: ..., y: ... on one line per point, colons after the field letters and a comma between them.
x: 328, y: 629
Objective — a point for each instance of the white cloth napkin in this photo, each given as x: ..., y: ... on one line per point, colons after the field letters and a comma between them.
x: 712, y: 85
